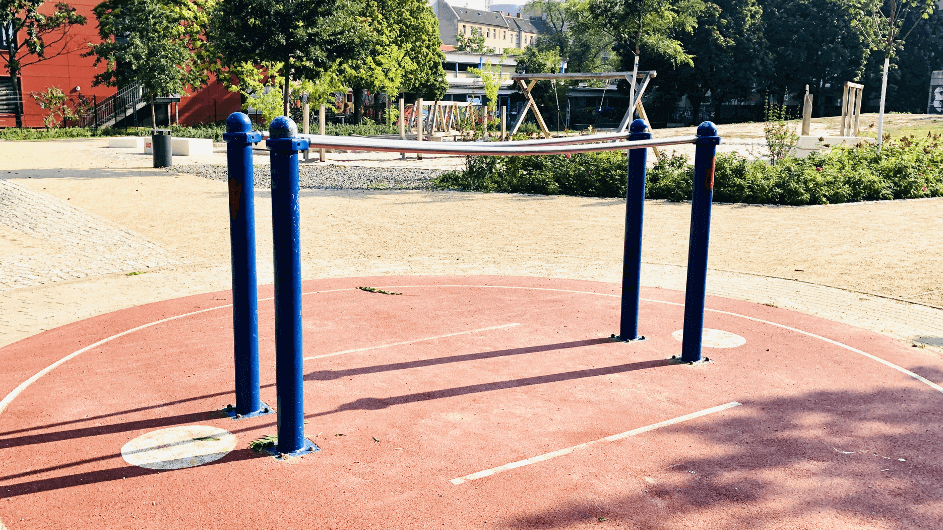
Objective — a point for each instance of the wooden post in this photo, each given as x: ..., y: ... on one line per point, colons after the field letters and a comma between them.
x: 806, y: 112
x: 859, y: 93
x: 642, y: 114
x: 504, y: 122
x: 306, y: 123
x: 402, y: 125
x: 322, y: 153
x: 844, y: 111
x: 420, y: 124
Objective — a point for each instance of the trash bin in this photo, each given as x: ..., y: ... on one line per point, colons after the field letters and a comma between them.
x: 162, y: 146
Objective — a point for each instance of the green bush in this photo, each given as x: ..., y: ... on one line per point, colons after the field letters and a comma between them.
x: 903, y: 169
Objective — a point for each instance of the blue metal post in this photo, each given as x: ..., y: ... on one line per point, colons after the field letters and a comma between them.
x: 634, y: 215
x: 695, y: 291
x: 239, y: 137
x: 284, y: 146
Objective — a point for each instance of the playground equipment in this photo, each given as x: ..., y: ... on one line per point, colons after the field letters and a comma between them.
x: 848, y: 130
x: 603, y: 76
x: 443, y: 118
x: 285, y: 143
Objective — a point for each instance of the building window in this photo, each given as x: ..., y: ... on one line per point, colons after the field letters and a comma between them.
x: 489, y: 34
x: 463, y: 30
x: 6, y: 34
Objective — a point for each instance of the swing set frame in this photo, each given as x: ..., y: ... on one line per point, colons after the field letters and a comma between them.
x: 522, y: 81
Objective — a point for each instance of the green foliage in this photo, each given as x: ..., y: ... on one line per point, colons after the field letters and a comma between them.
x: 651, y: 26
x: 474, y: 43
x: 56, y: 102
x: 573, y: 32
x: 367, y: 128
x: 780, y: 136
x: 492, y: 78
x: 904, y: 169
x: 151, y: 43
x: 305, y: 38
x: 35, y: 35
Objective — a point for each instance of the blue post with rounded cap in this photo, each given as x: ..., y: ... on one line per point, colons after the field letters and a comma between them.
x: 239, y: 138
x: 696, y: 289
x: 286, y: 231
x: 634, y: 216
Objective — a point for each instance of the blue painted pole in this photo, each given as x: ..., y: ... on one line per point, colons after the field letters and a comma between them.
x: 696, y: 289
x: 286, y: 228
x: 634, y: 215
x: 240, y: 137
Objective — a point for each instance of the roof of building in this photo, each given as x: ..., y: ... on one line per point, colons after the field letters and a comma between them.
x: 529, y: 25
x: 491, y: 18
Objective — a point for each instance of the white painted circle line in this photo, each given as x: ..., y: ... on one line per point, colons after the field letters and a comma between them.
x: 612, y: 438
x: 715, y: 338
x: 25, y: 384
x: 889, y: 364
x: 179, y: 447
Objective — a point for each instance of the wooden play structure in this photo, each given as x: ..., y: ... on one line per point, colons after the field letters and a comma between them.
x: 848, y: 127
x: 530, y: 104
x: 443, y: 118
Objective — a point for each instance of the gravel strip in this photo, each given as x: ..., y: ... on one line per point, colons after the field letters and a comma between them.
x: 331, y: 176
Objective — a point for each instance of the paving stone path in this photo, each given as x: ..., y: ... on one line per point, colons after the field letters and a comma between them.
x: 45, y: 240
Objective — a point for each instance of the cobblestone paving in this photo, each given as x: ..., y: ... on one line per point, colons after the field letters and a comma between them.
x: 45, y: 240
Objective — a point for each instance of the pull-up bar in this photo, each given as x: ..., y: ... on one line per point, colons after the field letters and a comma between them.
x: 284, y: 143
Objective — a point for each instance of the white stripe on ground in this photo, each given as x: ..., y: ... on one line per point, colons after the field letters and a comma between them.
x: 25, y: 384
x: 405, y: 342
x: 885, y: 362
x: 614, y: 437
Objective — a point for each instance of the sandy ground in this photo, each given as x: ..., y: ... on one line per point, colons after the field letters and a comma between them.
x: 887, y: 249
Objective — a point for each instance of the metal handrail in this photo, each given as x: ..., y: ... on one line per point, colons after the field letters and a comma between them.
x: 554, y: 146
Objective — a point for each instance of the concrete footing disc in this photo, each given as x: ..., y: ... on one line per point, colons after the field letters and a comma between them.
x: 179, y: 447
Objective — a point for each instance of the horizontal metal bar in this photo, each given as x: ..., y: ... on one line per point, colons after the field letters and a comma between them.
x: 581, y: 75
x: 553, y: 146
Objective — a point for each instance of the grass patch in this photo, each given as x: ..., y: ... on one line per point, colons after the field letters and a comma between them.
x: 263, y: 444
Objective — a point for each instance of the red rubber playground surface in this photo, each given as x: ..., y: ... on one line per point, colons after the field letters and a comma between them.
x: 474, y: 402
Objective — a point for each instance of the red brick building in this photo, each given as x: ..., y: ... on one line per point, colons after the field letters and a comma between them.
x: 73, y: 74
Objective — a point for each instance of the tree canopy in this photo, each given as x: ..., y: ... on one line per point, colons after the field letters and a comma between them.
x: 155, y: 44
x: 33, y: 36
x: 306, y: 38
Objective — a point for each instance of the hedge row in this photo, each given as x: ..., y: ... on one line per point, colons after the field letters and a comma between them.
x: 903, y: 169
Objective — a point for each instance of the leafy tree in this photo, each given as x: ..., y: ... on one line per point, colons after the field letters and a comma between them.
x: 56, y: 102
x: 651, y: 26
x: 404, y: 53
x: 474, y: 43
x: 305, y: 37
x: 728, y: 56
x: 33, y: 37
x: 812, y: 42
x: 154, y: 44
x: 574, y: 33
x: 491, y: 78
x: 909, y: 74
x: 886, y: 25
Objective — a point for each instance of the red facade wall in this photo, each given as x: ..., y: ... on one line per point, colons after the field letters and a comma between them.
x: 74, y: 74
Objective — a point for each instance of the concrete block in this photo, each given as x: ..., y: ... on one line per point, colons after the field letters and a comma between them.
x: 192, y: 146
x: 808, y: 144
x: 132, y: 142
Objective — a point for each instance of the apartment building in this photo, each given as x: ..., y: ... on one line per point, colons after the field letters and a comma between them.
x: 501, y: 30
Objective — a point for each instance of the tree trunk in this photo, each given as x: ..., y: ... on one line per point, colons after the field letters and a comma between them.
x: 358, y: 104
x: 153, y: 117
x: 696, y: 102
x: 286, y: 91
x: 17, y: 97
